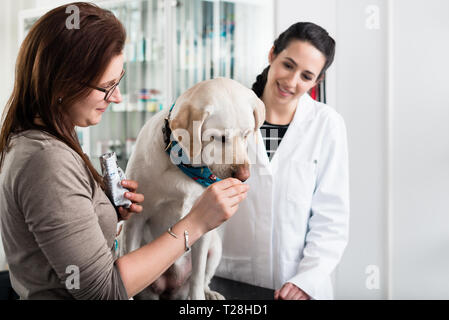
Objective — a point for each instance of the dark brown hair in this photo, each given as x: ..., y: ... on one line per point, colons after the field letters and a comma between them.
x: 304, y: 31
x: 52, y: 68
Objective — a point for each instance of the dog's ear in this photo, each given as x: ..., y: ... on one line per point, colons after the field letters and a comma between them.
x: 259, y: 113
x: 186, y: 128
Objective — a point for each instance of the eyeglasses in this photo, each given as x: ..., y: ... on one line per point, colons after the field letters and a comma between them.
x: 110, y: 91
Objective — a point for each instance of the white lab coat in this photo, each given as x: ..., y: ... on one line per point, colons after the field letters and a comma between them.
x: 294, y: 225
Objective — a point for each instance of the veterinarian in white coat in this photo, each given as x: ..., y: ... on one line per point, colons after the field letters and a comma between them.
x: 290, y: 234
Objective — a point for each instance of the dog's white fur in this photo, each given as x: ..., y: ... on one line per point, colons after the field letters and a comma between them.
x: 217, y: 105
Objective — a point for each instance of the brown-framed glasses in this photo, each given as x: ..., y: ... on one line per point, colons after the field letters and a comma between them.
x: 109, y: 91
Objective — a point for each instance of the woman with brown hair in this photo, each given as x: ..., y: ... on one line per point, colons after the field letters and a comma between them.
x: 58, y: 226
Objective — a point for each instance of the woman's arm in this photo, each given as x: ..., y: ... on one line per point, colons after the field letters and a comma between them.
x: 219, y: 202
x: 55, y: 196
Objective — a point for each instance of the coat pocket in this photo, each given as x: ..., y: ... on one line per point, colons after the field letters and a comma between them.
x: 301, y: 182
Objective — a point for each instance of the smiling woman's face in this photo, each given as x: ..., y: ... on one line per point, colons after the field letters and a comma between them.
x: 292, y: 73
x: 88, y: 111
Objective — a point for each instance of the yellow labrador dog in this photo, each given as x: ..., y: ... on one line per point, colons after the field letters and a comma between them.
x: 210, y: 122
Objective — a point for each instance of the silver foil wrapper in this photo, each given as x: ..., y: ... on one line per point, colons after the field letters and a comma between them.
x: 112, y: 177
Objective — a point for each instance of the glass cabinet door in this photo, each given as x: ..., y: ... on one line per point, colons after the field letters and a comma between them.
x: 219, y: 39
x: 142, y: 88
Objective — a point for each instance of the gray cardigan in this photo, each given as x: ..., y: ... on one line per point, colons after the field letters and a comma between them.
x: 56, y: 221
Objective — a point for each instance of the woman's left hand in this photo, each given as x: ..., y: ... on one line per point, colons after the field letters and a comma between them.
x: 290, y: 292
x: 135, y: 198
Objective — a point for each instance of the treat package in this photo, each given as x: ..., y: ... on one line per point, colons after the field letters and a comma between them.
x: 112, y: 177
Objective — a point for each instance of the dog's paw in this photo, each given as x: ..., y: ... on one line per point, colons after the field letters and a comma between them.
x: 213, y: 295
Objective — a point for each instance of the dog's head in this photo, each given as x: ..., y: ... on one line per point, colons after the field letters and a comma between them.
x: 212, y: 122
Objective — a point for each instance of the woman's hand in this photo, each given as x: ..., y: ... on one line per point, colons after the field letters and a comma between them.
x: 218, y: 203
x: 290, y: 292
x: 135, y: 198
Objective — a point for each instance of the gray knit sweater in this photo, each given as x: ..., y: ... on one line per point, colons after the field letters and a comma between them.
x: 55, y: 222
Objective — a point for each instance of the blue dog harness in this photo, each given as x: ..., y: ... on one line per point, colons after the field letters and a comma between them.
x: 202, y: 175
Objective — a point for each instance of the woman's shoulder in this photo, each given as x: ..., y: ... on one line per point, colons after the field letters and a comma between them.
x: 326, y: 114
x: 42, y: 144
x: 38, y: 157
x: 34, y: 148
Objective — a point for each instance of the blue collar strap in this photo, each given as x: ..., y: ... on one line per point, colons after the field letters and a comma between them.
x: 202, y: 175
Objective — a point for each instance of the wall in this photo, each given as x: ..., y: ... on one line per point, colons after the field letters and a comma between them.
x: 8, y: 38
x: 420, y: 133
x: 390, y: 87
x: 362, y: 100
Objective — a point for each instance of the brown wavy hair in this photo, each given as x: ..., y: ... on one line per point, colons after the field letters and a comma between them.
x: 53, y: 65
